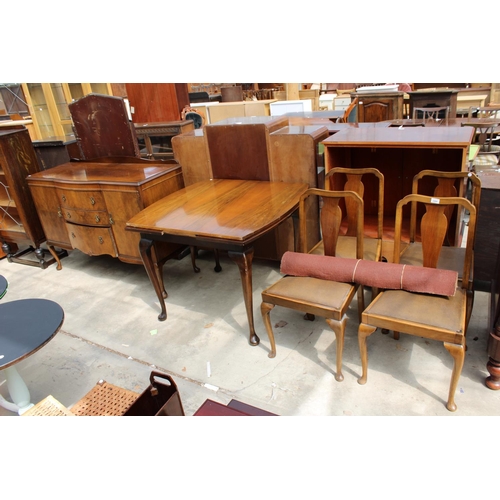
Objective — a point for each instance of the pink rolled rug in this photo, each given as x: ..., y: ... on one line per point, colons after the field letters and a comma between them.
x: 370, y: 273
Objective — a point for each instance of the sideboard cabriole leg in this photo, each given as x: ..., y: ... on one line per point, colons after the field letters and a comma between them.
x: 145, y: 249
x: 244, y: 262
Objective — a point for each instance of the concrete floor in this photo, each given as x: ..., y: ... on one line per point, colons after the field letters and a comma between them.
x: 111, y: 332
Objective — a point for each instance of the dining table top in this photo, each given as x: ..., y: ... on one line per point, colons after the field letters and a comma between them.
x: 232, y: 210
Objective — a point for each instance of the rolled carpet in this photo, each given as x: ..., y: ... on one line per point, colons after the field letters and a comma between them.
x: 382, y: 275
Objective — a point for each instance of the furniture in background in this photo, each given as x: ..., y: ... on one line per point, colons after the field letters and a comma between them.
x: 351, y: 113
x: 155, y: 139
x: 85, y: 205
x: 438, y: 97
x: 213, y: 112
x: 490, y: 112
x: 103, y: 127
x: 27, y: 325
x: 435, y: 317
x: 20, y: 224
x: 48, y: 105
x: 431, y: 113
x: 379, y: 105
x: 488, y: 231
x: 313, y: 296
x: 485, y: 135
x: 256, y: 148
x: 157, y: 102
x: 226, y: 214
x: 56, y: 151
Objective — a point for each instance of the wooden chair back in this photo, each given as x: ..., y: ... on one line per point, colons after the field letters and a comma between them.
x: 447, y: 186
x: 354, y: 182
x: 434, y: 226
x: 331, y: 219
x: 484, y: 112
x: 484, y: 134
x: 431, y: 113
x: 350, y: 113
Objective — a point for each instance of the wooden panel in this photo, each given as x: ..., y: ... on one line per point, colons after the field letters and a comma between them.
x: 48, y: 206
x: 102, y: 127
x: 157, y: 102
x: 190, y: 151
x: 17, y: 161
x: 238, y: 151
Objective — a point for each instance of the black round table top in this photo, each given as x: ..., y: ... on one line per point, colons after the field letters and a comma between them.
x: 26, y: 325
x: 4, y: 284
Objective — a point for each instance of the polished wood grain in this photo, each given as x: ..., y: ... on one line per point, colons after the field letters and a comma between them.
x: 85, y: 205
x: 227, y: 214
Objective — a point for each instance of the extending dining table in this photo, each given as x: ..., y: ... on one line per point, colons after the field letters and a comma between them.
x: 224, y: 214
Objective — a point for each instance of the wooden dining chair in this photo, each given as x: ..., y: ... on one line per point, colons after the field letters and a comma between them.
x: 313, y: 296
x: 350, y: 114
x: 352, y: 179
x: 442, y: 184
x: 490, y: 112
x: 485, y: 137
x: 431, y: 113
x: 429, y: 316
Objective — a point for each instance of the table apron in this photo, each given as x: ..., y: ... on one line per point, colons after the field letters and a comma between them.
x: 227, y: 245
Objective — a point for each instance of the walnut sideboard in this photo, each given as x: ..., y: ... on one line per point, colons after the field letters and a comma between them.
x: 85, y: 205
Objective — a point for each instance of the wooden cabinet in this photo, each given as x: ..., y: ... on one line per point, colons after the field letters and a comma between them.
x: 434, y: 98
x: 157, y: 102
x: 487, y: 231
x: 379, y: 106
x: 85, y: 205
x: 19, y: 221
x: 399, y: 154
x: 48, y: 105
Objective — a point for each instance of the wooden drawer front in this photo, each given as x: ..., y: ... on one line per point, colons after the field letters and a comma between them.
x: 86, y: 200
x: 87, y: 217
x: 92, y: 240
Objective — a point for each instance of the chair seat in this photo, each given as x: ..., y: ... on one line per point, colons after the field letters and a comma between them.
x: 485, y: 160
x: 346, y: 248
x: 415, y: 313
x: 451, y: 258
x: 329, y: 299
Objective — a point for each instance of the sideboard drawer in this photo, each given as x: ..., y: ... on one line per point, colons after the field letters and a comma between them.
x: 88, y: 200
x: 87, y: 217
x: 92, y: 240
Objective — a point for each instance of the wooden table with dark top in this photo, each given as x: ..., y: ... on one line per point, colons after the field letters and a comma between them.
x: 224, y: 214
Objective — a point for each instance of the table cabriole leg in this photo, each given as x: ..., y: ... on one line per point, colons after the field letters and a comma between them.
x: 244, y: 262
x: 145, y: 247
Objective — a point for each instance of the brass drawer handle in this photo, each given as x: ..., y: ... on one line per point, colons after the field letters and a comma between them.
x: 64, y: 198
x: 59, y: 213
x: 111, y: 221
x: 73, y: 235
x: 68, y: 215
x: 101, y: 241
x: 92, y: 201
x: 97, y: 218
